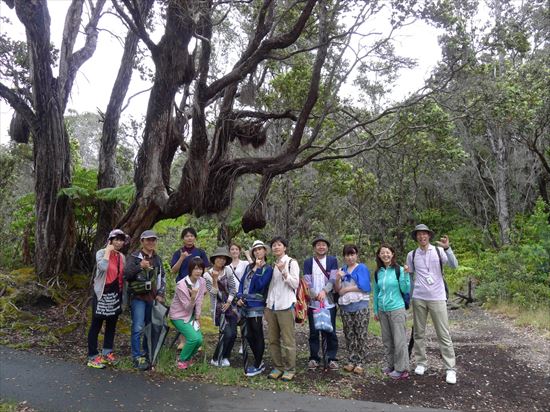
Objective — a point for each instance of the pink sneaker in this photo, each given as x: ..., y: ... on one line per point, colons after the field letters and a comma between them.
x: 182, y: 364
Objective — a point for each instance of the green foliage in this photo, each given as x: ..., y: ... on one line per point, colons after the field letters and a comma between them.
x: 518, y: 273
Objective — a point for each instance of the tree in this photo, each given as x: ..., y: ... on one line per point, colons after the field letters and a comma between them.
x: 304, y: 43
x: 110, y: 211
x: 41, y: 103
x: 500, y: 102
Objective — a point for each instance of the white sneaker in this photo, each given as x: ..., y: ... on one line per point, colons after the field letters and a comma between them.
x: 420, y: 370
x: 451, y: 377
x: 214, y: 363
x: 225, y: 362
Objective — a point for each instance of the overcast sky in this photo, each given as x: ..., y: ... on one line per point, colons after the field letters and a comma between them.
x: 93, y: 83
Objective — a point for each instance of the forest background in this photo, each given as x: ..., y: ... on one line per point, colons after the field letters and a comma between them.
x: 251, y: 131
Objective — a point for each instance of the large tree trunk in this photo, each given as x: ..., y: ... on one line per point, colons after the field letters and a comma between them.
x: 110, y: 211
x: 55, y: 232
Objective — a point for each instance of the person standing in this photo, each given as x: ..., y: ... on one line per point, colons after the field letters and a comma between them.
x: 181, y: 257
x: 391, y: 286
x: 237, y: 265
x: 220, y: 283
x: 279, y: 311
x: 320, y: 276
x: 353, y: 286
x: 107, y: 299
x: 430, y: 297
x: 185, y: 311
x: 251, y: 298
x: 146, y: 283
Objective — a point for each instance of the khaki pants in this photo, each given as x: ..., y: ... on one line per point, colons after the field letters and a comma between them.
x: 281, y: 338
x: 438, y: 312
x: 394, y: 336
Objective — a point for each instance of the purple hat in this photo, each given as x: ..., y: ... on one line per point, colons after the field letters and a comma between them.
x: 117, y: 232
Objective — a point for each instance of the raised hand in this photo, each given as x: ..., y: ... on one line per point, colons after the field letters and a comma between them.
x: 443, y: 242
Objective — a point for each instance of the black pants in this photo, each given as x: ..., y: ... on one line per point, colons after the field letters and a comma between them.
x: 331, y: 338
x: 255, y: 338
x: 95, y: 328
x: 229, y: 336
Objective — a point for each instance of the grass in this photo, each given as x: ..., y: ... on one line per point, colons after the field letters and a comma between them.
x: 538, y: 318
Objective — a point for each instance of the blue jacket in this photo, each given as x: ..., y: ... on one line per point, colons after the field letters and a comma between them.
x: 259, y: 285
x: 184, y: 268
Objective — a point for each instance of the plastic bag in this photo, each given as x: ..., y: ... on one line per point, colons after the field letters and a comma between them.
x: 321, y: 319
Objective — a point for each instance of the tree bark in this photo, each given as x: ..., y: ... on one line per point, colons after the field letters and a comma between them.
x: 110, y: 211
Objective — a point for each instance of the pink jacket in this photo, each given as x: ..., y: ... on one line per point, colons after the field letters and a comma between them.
x: 181, y: 307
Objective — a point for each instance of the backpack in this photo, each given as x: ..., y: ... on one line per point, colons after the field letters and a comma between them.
x: 406, y: 296
x: 441, y: 266
x: 302, y: 298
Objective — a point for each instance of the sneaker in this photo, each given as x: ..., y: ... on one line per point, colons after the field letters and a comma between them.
x: 450, y: 378
x: 110, y: 359
x: 333, y: 365
x: 399, y: 375
x: 141, y: 363
x: 275, y: 374
x: 287, y: 376
x: 182, y: 364
x: 387, y: 370
x: 225, y: 363
x: 349, y: 367
x: 312, y: 364
x: 420, y: 370
x: 214, y: 363
x: 358, y: 370
x: 96, y: 362
x: 253, y: 371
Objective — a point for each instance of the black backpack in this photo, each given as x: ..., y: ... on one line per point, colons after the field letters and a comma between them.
x: 441, y: 266
x: 406, y: 296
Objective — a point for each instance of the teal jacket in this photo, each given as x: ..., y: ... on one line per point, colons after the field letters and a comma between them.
x: 387, y: 296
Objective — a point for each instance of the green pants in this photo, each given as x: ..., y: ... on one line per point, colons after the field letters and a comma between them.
x: 282, y: 342
x: 438, y: 312
x: 193, y: 338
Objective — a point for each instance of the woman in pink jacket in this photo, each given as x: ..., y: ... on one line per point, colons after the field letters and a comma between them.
x: 185, y: 311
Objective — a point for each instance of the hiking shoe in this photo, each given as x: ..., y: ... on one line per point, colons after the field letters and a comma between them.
x: 387, y: 370
x: 395, y: 375
x: 312, y: 364
x: 287, y: 376
x: 275, y: 374
x: 420, y: 370
x: 96, y: 362
x: 214, y: 363
x: 182, y: 364
x: 253, y: 371
x: 349, y: 367
x: 141, y: 363
x: 333, y: 365
x: 225, y: 363
x: 358, y: 370
x: 110, y: 359
x: 450, y: 377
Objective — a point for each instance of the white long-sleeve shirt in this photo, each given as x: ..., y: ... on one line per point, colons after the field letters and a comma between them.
x: 282, y: 292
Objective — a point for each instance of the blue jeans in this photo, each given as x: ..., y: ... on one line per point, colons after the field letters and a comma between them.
x: 141, y: 316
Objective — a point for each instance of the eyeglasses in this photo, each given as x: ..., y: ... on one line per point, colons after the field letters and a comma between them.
x: 150, y: 239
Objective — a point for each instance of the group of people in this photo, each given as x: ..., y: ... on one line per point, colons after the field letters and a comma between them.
x: 243, y: 292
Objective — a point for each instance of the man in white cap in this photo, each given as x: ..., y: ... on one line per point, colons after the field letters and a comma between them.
x: 146, y: 283
x: 430, y: 296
